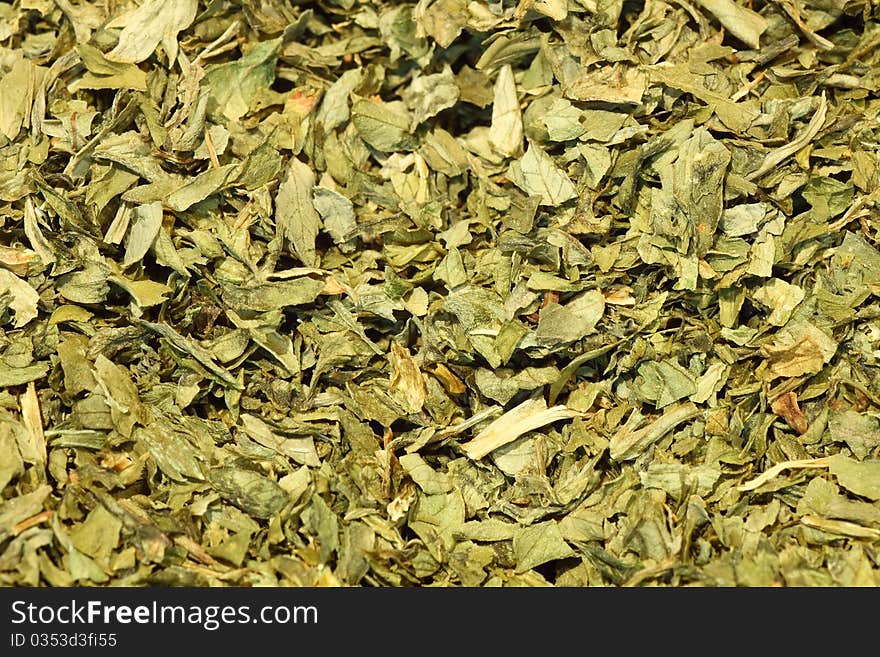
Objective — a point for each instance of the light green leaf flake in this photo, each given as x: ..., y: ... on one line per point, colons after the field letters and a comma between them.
x: 663, y: 382
x: 234, y: 85
x: 861, y: 478
x: 296, y: 219
x: 338, y: 215
x: 538, y: 544
x: 88, y: 286
x: 428, y: 479
x: 250, y: 491
x: 171, y: 451
x: 576, y: 319
x: 699, y: 186
x: 106, y: 74
x: 201, y: 187
x: 563, y: 121
x: 537, y: 175
x: 300, y: 449
x: 743, y: 219
x: 676, y: 478
x: 743, y: 23
x: 384, y: 126
x: 428, y: 95
x: 145, y: 226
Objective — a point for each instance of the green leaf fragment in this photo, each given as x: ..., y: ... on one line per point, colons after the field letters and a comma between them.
x: 539, y: 544
x: 296, y: 219
x: 537, y: 175
x: 251, y: 492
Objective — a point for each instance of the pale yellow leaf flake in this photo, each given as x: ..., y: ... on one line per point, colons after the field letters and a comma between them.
x: 16, y: 260
x: 69, y: 313
x: 742, y: 22
x: 781, y: 297
x: 121, y: 395
x: 147, y: 221
x: 32, y: 419
x: 609, y: 84
x: 406, y: 377
x: 506, y: 130
x: 24, y: 298
x: 709, y: 383
x: 555, y: 9
x: 14, y: 103
x: 149, y: 24
x: 797, y: 350
x: 85, y: 17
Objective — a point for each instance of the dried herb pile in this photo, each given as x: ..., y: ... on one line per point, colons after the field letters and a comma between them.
x: 446, y: 293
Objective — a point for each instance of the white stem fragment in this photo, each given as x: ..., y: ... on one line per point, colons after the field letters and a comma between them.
x: 776, y: 157
x: 777, y: 469
x: 531, y: 414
